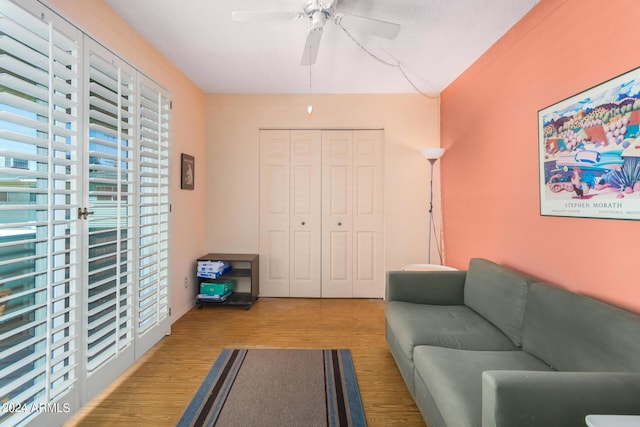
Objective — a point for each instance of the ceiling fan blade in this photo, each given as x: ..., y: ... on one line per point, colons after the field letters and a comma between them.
x: 311, y: 47
x: 266, y: 15
x: 376, y: 27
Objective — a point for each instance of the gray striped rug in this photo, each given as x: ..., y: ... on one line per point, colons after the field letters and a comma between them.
x: 269, y: 387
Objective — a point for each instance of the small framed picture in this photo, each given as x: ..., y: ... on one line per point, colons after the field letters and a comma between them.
x: 188, y: 171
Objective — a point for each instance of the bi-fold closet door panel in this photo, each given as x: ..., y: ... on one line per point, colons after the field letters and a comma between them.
x: 352, y: 214
x: 368, y: 215
x: 321, y: 228
x: 305, y: 219
x: 274, y: 213
x: 290, y: 213
x: 337, y: 213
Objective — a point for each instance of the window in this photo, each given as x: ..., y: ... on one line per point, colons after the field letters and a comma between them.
x: 111, y: 93
x: 81, y: 295
x: 153, y: 240
x: 39, y: 122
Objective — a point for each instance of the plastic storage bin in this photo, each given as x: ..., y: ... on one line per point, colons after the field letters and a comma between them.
x: 218, y: 287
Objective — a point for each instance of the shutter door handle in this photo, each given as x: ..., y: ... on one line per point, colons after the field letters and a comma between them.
x: 83, y: 214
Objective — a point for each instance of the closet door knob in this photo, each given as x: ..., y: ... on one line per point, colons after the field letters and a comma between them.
x: 302, y: 223
x: 339, y: 224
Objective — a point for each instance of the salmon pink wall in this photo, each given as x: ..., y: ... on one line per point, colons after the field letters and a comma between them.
x: 490, y: 169
x: 95, y: 18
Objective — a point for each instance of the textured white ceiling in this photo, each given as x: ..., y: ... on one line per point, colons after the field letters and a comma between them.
x: 438, y: 41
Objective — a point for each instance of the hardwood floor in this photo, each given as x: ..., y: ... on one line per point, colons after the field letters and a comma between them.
x: 159, y: 386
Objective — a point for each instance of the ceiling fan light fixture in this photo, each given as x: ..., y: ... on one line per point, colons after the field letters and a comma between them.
x: 310, y: 107
x: 318, y: 20
x: 319, y: 12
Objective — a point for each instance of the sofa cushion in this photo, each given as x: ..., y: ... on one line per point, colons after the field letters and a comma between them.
x: 573, y: 332
x: 439, y: 325
x: 404, y: 362
x: 453, y: 379
x: 498, y: 294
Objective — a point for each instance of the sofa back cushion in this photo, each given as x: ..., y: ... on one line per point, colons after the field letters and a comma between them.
x: 573, y: 332
x: 498, y: 294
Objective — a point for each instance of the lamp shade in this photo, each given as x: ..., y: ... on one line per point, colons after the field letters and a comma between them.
x: 432, y: 153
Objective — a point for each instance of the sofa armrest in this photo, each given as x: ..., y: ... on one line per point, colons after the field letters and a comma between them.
x: 426, y: 287
x: 531, y: 398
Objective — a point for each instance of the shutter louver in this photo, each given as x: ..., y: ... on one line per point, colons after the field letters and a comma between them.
x: 39, y: 115
x: 153, y: 239
x: 81, y: 295
x: 112, y: 129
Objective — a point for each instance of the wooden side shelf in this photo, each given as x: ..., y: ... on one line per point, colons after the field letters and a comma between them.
x: 244, y: 268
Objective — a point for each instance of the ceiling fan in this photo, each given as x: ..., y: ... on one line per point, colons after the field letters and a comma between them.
x: 319, y: 12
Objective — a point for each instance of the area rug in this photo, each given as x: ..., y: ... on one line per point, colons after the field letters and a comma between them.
x: 274, y: 387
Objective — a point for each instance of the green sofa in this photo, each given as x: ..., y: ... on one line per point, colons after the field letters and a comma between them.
x: 492, y: 347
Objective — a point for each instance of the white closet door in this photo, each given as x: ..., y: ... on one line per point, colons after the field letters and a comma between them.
x: 352, y: 214
x: 337, y: 214
x: 321, y: 214
x: 274, y: 213
x: 305, y: 216
x: 368, y: 219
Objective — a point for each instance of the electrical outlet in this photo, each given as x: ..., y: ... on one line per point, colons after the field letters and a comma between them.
x: 186, y: 282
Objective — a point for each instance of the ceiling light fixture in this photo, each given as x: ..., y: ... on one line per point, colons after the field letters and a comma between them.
x: 310, y: 107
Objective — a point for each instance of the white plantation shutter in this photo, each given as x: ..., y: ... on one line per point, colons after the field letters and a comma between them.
x: 153, y: 266
x: 39, y: 137
x: 80, y: 297
x: 111, y: 89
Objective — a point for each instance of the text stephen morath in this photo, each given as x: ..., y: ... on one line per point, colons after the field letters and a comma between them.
x: 598, y: 205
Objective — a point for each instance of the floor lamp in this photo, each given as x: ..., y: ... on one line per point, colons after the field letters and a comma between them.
x: 432, y: 155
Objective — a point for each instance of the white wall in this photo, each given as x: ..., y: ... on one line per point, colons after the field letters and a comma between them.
x: 410, y: 122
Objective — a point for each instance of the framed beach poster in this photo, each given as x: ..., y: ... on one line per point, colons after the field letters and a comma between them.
x: 589, y: 152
